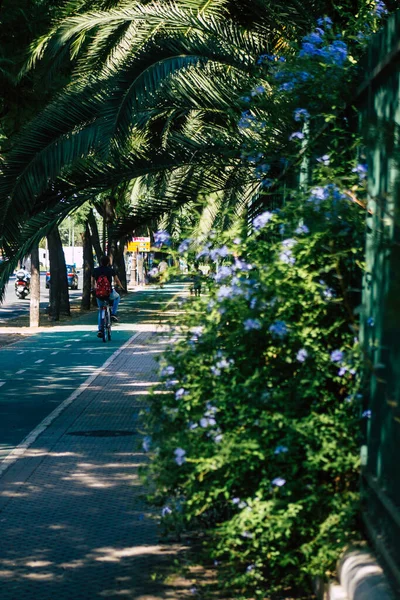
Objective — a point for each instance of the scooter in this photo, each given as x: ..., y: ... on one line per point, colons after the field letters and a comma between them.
x: 21, y: 286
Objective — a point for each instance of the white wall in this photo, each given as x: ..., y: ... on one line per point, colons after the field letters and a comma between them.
x: 73, y: 255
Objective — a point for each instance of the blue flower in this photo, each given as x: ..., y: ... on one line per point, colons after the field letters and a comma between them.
x: 287, y: 257
x: 278, y: 481
x: 241, y: 265
x: 296, y: 135
x: 264, y: 58
x: 259, y: 89
x: 380, y: 9
x: 302, y: 229
x: 329, y: 294
x: 264, y: 168
x: 309, y: 49
x: 260, y: 221
x: 146, y: 443
x: 166, y: 511
x: 336, y: 53
x: 250, y: 568
x: 184, y: 246
x: 313, y: 38
x: 169, y: 370
x: 324, y: 160
x: 224, y: 272
x: 367, y: 414
x: 225, y: 291
x: 289, y: 243
x: 302, y: 355
x: 301, y: 114
x: 281, y: 449
x: 318, y: 193
x: 337, y: 356
x: 288, y: 86
x: 180, y: 456
x: 361, y: 170
x: 180, y: 393
x: 370, y: 322
x: 219, y: 253
x: 246, y: 120
x: 278, y: 329
x: 250, y: 324
x: 304, y: 75
x: 325, y: 22
x: 161, y: 237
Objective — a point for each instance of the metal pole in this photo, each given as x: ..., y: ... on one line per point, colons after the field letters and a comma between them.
x: 73, y: 243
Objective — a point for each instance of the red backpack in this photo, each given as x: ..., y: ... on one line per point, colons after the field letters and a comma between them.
x: 103, y: 287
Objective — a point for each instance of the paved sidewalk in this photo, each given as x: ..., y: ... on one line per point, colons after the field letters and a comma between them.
x: 73, y: 520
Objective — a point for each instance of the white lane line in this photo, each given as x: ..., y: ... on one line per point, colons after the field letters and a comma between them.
x: 2, y: 383
x: 67, y: 346
x: 55, y: 352
x: 19, y: 450
x: 39, y: 361
x: 87, y: 335
x: 20, y: 372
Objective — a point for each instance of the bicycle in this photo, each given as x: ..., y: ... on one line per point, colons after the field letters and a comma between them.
x: 105, y: 320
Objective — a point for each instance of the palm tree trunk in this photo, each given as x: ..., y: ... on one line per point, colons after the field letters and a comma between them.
x: 55, y: 290
x: 64, y: 296
x: 94, y: 234
x: 119, y: 263
x: 59, y: 296
x: 87, y: 268
x: 34, y: 288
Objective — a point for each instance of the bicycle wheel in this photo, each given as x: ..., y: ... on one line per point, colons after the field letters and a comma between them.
x: 105, y: 324
x: 109, y: 325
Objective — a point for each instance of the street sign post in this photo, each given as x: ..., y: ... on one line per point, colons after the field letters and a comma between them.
x: 139, y: 244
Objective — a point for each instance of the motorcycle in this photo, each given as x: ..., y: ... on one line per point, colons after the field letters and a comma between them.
x: 21, y: 285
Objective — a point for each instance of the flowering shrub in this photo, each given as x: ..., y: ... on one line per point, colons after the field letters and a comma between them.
x: 255, y: 440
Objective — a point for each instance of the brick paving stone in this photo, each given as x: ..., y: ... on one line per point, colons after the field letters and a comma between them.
x: 73, y: 520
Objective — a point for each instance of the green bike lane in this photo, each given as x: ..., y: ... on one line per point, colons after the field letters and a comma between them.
x: 41, y: 371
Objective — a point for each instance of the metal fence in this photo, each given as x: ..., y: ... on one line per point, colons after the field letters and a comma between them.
x: 379, y: 103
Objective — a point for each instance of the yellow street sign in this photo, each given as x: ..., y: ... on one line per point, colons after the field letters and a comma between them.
x: 139, y: 244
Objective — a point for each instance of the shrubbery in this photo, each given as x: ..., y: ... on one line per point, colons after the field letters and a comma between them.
x: 256, y: 440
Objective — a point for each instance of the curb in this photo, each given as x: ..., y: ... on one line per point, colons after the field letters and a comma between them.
x: 361, y: 578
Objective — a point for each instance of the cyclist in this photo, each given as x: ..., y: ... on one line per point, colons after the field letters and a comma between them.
x: 102, y: 278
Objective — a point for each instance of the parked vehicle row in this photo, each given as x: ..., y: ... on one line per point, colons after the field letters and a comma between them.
x: 72, y: 277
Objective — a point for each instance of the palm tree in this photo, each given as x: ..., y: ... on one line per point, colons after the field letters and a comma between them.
x: 156, y: 93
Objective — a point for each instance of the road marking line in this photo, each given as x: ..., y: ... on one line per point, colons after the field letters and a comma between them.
x: 39, y: 361
x: 67, y: 346
x: 2, y: 383
x: 19, y: 450
x: 55, y: 352
x: 20, y: 372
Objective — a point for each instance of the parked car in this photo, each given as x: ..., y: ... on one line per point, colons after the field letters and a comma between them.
x: 72, y: 277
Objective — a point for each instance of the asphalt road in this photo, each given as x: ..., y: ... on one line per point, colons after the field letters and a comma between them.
x: 39, y: 372
x: 12, y: 307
